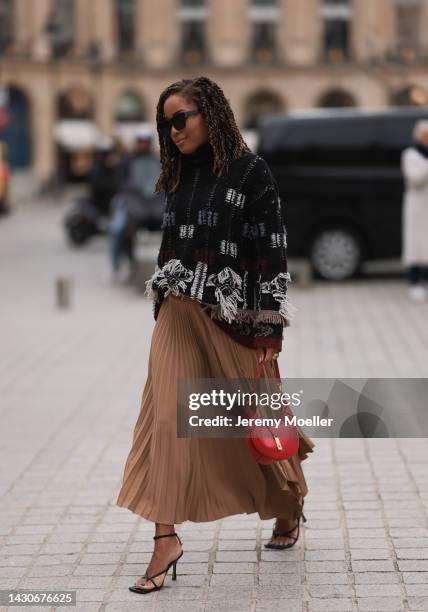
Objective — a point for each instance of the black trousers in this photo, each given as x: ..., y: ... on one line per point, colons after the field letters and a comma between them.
x: 417, y: 274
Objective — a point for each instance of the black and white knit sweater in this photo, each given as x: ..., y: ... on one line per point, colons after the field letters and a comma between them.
x: 224, y: 245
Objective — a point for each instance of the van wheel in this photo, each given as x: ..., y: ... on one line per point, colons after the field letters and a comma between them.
x: 336, y: 253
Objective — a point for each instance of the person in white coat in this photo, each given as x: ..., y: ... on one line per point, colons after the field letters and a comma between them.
x: 414, y: 164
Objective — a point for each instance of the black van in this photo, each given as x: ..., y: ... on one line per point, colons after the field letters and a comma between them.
x: 338, y: 172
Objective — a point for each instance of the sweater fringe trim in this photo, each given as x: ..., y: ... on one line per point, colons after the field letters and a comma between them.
x: 283, y: 316
x: 277, y: 317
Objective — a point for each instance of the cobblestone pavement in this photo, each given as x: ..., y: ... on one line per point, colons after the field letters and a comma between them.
x: 70, y: 384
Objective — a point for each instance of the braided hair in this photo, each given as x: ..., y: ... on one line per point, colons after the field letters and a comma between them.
x: 223, y: 134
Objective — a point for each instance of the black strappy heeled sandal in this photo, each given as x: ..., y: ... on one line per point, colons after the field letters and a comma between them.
x: 173, y: 563
x: 283, y: 534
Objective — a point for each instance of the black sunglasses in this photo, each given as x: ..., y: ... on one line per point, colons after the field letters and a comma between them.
x: 178, y: 121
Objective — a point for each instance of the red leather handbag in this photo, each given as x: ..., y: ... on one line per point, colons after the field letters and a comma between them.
x: 268, y: 444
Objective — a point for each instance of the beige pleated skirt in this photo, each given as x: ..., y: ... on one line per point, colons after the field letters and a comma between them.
x: 171, y: 480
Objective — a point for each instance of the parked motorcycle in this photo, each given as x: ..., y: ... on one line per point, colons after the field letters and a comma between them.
x: 90, y: 215
x: 85, y: 220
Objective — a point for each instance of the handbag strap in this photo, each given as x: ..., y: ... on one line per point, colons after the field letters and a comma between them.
x: 275, y: 367
x: 259, y: 372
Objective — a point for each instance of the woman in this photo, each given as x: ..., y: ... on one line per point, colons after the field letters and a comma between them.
x: 220, y: 304
x: 415, y: 211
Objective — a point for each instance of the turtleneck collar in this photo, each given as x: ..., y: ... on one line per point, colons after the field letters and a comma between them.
x: 204, y: 154
x: 423, y: 150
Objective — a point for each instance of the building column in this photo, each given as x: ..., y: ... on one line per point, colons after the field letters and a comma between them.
x: 373, y: 29
x: 43, y: 118
x: 23, y: 26
x: 424, y: 30
x: 156, y: 33
x: 84, y: 26
x: 104, y: 102
x: 299, y: 32
x: 39, y: 15
x: 228, y: 32
x: 103, y: 29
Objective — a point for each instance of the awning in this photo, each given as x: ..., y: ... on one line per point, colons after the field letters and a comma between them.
x: 127, y: 131
x: 77, y: 134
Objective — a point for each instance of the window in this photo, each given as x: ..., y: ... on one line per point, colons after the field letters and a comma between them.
x: 192, y: 16
x: 75, y: 103
x: 336, y: 98
x: 125, y: 20
x: 336, y: 15
x: 261, y: 103
x: 407, y: 19
x: 192, y: 3
x: 129, y: 108
x: 7, y: 24
x: 414, y: 95
x: 60, y: 27
x: 263, y: 17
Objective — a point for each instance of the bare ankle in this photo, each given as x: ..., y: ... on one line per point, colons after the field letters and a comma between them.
x: 164, y: 529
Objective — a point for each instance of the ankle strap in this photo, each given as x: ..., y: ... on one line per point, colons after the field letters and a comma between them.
x: 167, y: 535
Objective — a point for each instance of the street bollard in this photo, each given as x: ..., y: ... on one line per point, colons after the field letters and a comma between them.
x: 63, y: 293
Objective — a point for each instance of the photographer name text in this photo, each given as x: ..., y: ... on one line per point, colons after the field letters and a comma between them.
x: 225, y: 421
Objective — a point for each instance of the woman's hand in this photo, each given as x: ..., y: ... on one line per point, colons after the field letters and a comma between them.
x: 269, y: 355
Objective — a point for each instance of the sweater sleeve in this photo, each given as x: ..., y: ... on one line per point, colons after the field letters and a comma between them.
x: 266, y: 215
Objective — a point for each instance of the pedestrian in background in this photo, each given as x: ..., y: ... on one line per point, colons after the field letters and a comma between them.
x: 105, y: 177
x: 220, y: 302
x: 130, y: 207
x: 414, y: 165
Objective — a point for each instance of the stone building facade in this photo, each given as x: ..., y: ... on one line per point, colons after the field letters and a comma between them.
x: 104, y: 62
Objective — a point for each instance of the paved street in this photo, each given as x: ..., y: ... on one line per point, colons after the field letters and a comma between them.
x: 70, y: 387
